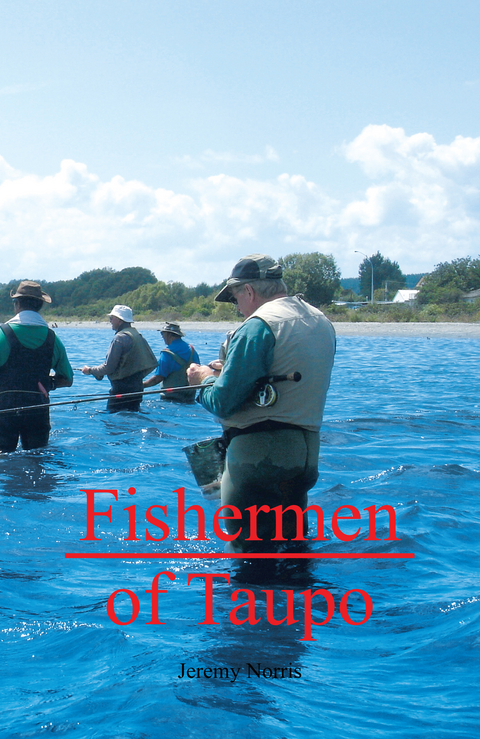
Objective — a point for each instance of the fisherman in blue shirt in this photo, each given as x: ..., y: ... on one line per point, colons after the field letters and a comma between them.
x: 173, y: 363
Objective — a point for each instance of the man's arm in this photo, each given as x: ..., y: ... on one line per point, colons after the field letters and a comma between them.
x: 249, y: 358
x: 61, y: 366
x: 153, y: 380
x: 166, y: 365
x: 120, y: 344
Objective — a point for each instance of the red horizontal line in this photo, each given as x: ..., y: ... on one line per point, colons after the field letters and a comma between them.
x: 221, y: 555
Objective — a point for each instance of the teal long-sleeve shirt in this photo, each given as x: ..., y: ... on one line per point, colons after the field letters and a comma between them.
x: 249, y: 357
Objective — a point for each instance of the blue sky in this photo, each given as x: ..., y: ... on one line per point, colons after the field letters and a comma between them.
x: 182, y: 135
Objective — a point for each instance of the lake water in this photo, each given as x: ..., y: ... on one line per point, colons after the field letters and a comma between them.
x: 402, y: 427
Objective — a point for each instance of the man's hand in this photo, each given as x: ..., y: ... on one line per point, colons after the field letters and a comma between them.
x: 86, y: 370
x: 216, y: 366
x: 196, y: 373
x: 153, y: 380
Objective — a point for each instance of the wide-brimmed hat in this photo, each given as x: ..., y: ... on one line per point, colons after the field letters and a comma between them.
x: 172, y: 328
x: 250, y: 268
x: 123, y: 312
x: 29, y: 289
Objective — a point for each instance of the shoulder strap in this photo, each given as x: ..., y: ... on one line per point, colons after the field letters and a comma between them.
x: 50, y: 340
x: 12, y: 339
x: 9, y: 333
x: 176, y: 358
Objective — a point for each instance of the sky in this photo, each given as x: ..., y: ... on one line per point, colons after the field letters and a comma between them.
x: 181, y: 135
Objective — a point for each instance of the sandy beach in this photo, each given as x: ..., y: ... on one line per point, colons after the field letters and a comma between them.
x: 401, y: 330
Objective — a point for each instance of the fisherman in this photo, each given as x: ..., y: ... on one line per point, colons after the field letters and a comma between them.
x: 129, y: 359
x: 28, y: 351
x: 272, y: 454
x: 173, y: 364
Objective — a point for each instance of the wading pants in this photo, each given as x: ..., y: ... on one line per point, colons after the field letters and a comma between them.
x: 269, y: 468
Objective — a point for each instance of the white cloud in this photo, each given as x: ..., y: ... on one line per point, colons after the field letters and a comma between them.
x: 425, y: 208
x: 6, y: 171
x: 421, y: 207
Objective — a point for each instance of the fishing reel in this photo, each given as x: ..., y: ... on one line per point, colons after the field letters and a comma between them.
x: 266, y: 395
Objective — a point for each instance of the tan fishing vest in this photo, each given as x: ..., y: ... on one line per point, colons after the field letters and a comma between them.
x: 139, y: 358
x: 305, y: 343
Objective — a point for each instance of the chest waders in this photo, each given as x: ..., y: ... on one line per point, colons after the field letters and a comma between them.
x: 22, y: 378
x: 178, y: 378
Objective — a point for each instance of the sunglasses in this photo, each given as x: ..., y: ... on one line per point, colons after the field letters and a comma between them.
x: 233, y: 297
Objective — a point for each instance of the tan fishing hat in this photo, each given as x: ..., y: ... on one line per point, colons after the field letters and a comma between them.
x: 172, y: 328
x: 29, y: 289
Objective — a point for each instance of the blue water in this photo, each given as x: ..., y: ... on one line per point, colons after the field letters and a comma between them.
x: 402, y: 427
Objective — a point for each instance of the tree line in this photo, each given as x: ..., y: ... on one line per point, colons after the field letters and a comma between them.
x: 92, y: 294
x: 315, y: 275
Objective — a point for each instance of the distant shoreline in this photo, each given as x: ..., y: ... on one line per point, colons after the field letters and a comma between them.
x: 343, y: 328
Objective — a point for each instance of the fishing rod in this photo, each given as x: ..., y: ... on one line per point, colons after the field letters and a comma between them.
x: 92, y: 398
x: 262, y: 382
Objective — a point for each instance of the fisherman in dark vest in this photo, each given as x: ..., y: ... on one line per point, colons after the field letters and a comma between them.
x: 173, y: 364
x: 129, y: 359
x: 28, y: 351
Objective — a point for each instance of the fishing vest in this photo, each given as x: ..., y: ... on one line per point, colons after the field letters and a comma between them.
x: 25, y: 368
x: 305, y: 343
x: 178, y: 378
x: 138, y: 359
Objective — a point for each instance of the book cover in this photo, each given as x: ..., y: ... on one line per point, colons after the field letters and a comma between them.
x: 178, y: 137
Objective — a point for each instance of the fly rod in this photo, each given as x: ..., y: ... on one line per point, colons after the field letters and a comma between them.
x: 294, y: 376
x: 92, y: 398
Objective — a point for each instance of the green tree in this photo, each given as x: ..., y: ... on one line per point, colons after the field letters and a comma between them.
x: 384, y: 270
x: 97, y: 284
x: 129, y: 279
x: 149, y: 297
x: 202, y: 290
x: 449, y: 280
x: 314, y: 275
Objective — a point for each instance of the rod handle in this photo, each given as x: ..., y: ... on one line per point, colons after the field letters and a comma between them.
x: 292, y: 377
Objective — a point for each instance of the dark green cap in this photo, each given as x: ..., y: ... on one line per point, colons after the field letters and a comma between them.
x: 250, y: 268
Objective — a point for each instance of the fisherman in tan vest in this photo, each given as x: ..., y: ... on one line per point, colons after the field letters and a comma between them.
x: 129, y: 359
x: 272, y: 454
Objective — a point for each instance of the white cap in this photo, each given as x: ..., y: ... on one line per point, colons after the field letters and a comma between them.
x: 123, y: 312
